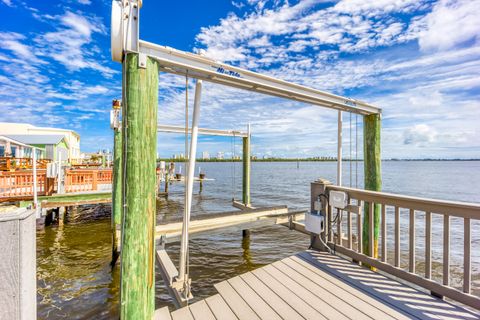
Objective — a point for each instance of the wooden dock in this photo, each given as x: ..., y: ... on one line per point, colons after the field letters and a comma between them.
x: 316, y: 285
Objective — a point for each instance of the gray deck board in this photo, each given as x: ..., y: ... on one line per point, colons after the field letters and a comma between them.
x: 182, y: 314
x: 393, y: 294
x: 314, y: 285
x: 261, y: 308
x: 201, y: 311
x: 162, y: 314
x: 357, y: 298
x: 338, y: 303
x: 315, y: 301
x: 280, y: 306
x: 241, y: 309
x: 220, y: 308
x: 292, y: 299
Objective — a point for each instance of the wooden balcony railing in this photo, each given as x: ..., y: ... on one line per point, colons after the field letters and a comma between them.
x: 20, y: 184
x: 86, y: 179
x: 9, y: 163
x: 417, y: 208
x: 16, y: 185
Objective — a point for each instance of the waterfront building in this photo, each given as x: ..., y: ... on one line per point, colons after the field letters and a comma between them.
x: 71, y: 139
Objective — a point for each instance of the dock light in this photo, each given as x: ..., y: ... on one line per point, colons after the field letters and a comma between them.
x: 116, y: 104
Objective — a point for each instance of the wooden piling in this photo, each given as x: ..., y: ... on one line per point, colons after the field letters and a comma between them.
x: 139, y: 127
x: 373, y: 178
x: 116, y: 191
x: 246, y: 171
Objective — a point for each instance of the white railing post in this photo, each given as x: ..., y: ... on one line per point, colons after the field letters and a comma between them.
x: 35, y: 198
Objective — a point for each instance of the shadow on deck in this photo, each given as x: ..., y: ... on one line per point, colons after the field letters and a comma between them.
x: 317, y: 285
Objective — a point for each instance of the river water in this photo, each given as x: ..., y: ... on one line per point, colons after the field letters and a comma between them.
x: 75, y: 280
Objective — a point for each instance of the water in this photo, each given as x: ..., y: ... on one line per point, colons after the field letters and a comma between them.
x: 75, y: 280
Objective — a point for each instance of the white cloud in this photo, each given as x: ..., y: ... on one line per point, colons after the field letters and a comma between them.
x: 71, y: 43
x: 86, y: 2
x: 11, y: 41
x: 8, y: 3
x: 419, y: 134
x: 451, y: 23
x: 426, y: 99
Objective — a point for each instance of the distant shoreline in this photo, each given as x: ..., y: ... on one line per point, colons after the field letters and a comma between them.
x: 307, y: 160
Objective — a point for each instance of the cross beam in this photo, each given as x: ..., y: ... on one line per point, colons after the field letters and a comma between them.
x: 202, y: 131
x: 200, y: 67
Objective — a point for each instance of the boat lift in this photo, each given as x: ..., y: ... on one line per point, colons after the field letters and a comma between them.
x: 125, y: 39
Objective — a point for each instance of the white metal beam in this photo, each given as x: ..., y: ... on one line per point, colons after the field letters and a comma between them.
x: 200, y: 67
x: 202, y: 131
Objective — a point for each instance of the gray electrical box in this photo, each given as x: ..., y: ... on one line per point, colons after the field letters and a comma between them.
x: 314, y: 223
x: 338, y: 199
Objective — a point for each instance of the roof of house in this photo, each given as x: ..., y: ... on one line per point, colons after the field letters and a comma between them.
x: 30, y: 126
x: 14, y: 141
x: 37, y: 138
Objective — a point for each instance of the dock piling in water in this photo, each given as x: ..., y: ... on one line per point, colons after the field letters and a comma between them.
x: 373, y: 179
x: 116, y: 187
x: 139, y: 128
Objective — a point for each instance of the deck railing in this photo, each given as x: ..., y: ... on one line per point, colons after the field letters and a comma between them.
x: 392, y: 203
x: 86, y: 180
x: 9, y: 163
x: 20, y: 184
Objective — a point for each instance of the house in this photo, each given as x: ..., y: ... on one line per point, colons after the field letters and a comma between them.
x: 71, y: 139
x: 55, y: 146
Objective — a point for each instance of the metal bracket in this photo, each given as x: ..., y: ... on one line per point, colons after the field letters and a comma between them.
x: 142, y: 60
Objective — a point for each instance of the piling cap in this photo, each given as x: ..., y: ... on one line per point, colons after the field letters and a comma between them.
x: 322, y: 181
x: 116, y: 104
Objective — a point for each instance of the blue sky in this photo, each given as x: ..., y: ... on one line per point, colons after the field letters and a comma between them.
x: 418, y: 60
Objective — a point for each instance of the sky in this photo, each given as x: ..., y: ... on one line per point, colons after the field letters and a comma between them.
x: 418, y: 60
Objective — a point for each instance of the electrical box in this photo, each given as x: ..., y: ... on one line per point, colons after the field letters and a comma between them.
x: 314, y: 222
x: 52, y: 170
x: 317, y: 206
x: 115, y: 118
x: 338, y: 199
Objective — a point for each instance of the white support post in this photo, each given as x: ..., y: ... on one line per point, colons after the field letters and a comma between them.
x: 339, y: 149
x: 59, y: 175
x: 182, y: 272
x: 35, y: 199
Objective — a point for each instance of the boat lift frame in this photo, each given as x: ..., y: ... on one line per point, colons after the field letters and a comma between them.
x: 125, y: 39
x: 202, y: 131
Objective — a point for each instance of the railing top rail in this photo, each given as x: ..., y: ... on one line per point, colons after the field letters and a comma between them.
x: 451, y: 208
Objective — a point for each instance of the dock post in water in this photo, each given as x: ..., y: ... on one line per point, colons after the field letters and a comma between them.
x: 139, y: 128
x: 117, y: 184
x: 246, y: 169
x: 373, y: 179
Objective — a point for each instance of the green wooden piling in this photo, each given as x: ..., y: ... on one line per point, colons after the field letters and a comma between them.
x: 373, y: 176
x: 246, y: 172
x: 139, y: 127
x: 116, y: 191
